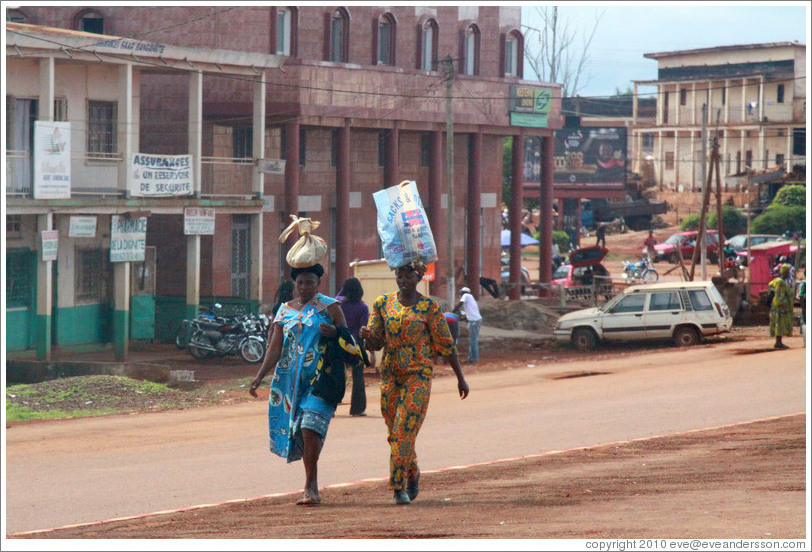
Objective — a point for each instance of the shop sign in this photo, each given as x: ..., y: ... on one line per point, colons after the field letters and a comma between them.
x: 128, y: 239
x: 51, y: 160
x: 160, y: 175
x: 50, y: 244
x: 198, y: 221
x: 82, y: 227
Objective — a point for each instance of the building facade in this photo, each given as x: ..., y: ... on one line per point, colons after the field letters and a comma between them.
x: 363, y: 101
x: 755, y: 98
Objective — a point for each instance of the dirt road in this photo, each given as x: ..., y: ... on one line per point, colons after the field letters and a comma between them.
x: 742, y: 480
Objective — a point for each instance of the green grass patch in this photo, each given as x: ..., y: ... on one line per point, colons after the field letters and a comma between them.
x: 82, y: 396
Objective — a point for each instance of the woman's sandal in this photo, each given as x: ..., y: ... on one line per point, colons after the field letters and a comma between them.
x: 413, y: 486
x: 308, y: 501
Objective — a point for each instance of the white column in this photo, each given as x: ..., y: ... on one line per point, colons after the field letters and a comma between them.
x: 45, y: 294
x: 724, y: 162
x: 121, y: 319
x: 635, y: 108
x: 693, y: 103
x: 727, y: 100
x: 677, y: 160
x: 192, y: 275
x: 788, y: 156
x: 761, y: 100
x: 658, y: 116
x: 743, y: 157
x: 693, y: 160
x: 660, y: 157
x: 256, y: 257
x: 744, y: 101
x: 46, y: 89
x: 762, y: 147
x: 257, y: 237
x: 196, y: 127
x: 126, y: 128
x: 259, y: 132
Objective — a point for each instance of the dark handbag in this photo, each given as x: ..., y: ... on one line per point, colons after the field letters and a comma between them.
x: 768, y: 299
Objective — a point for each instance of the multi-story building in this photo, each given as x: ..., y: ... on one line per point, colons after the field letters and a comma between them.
x: 755, y: 98
x: 362, y: 102
x: 81, y: 246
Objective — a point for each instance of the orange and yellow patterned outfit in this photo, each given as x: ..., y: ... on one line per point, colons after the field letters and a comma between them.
x: 412, y: 337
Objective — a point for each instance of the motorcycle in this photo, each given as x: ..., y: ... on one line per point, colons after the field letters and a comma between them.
x: 186, y: 329
x: 640, y: 271
x: 239, y: 335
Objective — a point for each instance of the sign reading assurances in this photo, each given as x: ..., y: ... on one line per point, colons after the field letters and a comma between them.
x: 128, y: 239
x: 50, y: 244
x: 198, y: 221
x: 82, y: 227
x: 160, y: 175
x: 51, y: 160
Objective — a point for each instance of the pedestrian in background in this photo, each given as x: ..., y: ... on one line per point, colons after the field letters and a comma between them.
x: 600, y: 235
x: 468, y: 306
x: 650, y: 242
x: 781, y: 306
x: 356, y: 312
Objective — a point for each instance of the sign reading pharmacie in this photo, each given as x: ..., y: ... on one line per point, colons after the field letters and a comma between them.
x: 530, y: 105
x: 128, y: 239
x: 160, y: 175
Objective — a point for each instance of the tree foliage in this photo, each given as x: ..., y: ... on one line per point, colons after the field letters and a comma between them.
x: 778, y: 219
x: 733, y: 221
x: 553, y: 52
x: 791, y: 195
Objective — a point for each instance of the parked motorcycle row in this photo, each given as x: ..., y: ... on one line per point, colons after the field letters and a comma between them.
x: 210, y: 335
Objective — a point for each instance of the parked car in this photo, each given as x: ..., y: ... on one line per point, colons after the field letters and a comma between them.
x: 739, y: 241
x: 686, y: 241
x: 583, y: 268
x: 683, y: 311
x: 505, y: 273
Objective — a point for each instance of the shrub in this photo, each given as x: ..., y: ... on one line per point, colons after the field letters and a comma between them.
x: 562, y: 240
x: 789, y: 196
x: 691, y: 222
x: 733, y: 220
x: 778, y: 219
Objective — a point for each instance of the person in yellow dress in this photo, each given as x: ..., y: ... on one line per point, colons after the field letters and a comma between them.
x: 412, y: 330
x: 781, y: 307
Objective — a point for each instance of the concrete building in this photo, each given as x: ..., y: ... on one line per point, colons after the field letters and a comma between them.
x: 756, y: 107
x: 80, y: 243
x: 361, y: 103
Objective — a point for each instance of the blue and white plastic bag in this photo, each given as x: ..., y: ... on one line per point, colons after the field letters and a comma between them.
x: 403, y: 225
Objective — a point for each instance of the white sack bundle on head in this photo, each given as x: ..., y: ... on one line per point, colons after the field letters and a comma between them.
x: 309, y: 249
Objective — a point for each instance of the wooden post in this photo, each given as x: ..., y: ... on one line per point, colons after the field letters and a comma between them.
x: 700, y: 236
x: 720, y: 227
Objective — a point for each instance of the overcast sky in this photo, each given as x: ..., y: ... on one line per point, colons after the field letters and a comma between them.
x: 626, y: 32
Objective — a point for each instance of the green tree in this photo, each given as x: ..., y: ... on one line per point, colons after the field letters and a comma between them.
x: 788, y: 196
x: 733, y: 220
x: 778, y: 219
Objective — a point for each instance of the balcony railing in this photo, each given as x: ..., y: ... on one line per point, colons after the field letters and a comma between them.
x: 227, y: 177
x: 93, y: 174
x: 97, y: 175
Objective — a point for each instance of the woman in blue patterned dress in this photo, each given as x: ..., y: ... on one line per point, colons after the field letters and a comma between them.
x: 298, y: 419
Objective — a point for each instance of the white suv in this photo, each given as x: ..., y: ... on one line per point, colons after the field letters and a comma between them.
x: 683, y: 311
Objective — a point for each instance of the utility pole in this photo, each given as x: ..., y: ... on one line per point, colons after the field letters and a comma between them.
x: 448, y: 68
x: 700, y: 242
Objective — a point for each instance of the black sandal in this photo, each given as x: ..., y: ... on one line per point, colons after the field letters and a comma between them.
x: 413, y: 486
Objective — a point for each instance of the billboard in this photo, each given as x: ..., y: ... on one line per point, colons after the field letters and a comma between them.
x: 590, y: 156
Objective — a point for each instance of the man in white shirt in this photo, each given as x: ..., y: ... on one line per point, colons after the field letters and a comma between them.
x: 469, y: 306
